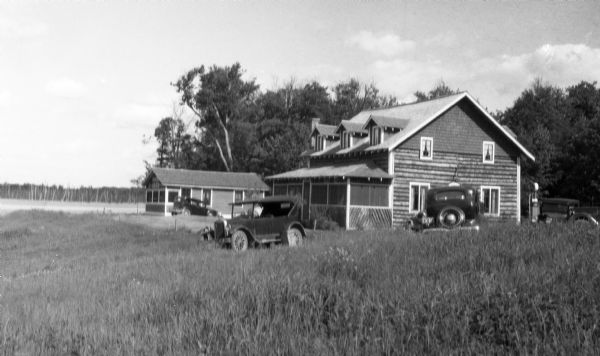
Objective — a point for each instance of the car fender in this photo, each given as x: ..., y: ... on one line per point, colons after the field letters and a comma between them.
x: 584, y: 216
x: 295, y: 225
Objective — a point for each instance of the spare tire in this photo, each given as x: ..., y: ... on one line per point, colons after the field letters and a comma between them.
x: 451, y: 217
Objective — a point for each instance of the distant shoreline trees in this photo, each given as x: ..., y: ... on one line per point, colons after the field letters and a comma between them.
x: 67, y: 194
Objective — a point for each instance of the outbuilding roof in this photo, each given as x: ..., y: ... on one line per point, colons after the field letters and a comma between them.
x: 207, y: 179
x: 357, y: 170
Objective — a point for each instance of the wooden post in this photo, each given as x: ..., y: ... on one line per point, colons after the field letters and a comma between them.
x: 348, y: 204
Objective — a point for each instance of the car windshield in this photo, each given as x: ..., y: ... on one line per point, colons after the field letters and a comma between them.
x: 273, y: 209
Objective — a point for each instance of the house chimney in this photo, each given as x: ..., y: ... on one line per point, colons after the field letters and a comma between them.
x: 314, y: 123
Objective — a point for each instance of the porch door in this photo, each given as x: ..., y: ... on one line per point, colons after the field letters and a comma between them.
x: 306, y: 199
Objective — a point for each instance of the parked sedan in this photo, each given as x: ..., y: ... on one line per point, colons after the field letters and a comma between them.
x: 191, y: 206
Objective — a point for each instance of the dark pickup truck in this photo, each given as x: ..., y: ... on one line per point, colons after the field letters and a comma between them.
x: 563, y: 209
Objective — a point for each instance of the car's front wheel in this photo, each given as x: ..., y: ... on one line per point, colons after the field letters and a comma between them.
x: 239, y: 241
x: 293, y: 237
x: 185, y: 212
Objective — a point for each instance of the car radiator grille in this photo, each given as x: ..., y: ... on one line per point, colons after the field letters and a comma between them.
x: 219, y: 229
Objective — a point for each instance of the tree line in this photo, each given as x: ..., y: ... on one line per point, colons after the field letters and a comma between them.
x: 238, y: 127
x: 67, y: 194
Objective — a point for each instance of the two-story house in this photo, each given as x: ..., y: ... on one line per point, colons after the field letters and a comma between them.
x: 373, y: 170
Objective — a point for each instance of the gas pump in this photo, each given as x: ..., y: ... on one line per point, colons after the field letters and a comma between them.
x: 534, y: 204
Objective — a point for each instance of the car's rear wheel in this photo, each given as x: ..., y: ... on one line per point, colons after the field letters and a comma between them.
x: 451, y: 217
x: 239, y: 241
x: 185, y: 212
x: 293, y: 237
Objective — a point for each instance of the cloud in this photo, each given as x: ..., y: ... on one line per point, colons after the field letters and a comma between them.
x: 496, y: 80
x: 445, y: 39
x: 5, y: 98
x: 66, y: 88
x: 140, y: 115
x: 21, y: 28
x: 385, y: 44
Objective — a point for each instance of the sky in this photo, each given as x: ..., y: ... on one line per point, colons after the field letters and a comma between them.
x: 83, y: 83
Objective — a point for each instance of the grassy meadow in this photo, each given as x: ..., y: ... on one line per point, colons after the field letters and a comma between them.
x: 90, y: 284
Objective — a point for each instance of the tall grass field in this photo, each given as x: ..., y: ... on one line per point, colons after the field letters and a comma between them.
x: 90, y: 284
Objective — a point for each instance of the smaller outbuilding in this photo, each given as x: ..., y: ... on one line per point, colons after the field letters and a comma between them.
x: 216, y: 189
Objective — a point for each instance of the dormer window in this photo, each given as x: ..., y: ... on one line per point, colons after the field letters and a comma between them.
x: 375, y: 135
x: 346, y: 140
x: 321, y: 143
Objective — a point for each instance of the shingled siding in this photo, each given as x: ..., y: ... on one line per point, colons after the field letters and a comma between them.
x: 462, y: 129
x: 441, y: 171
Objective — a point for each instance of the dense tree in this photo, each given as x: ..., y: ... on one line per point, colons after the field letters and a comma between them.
x: 538, y: 117
x: 218, y: 97
x: 441, y: 89
x: 175, y: 145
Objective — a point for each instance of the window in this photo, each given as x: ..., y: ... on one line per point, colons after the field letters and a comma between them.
x: 280, y: 189
x: 172, y: 196
x: 238, y: 195
x: 491, y: 200
x: 346, y: 140
x: 426, y: 151
x: 375, y: 134
x: 489, y: 149
x: 207, y: 197
x: 321, y: 143
x: 417, y: 196
x: 148, y: 196
x: 155, y: 196
x: 162, y: 196
x: 186, y: 192
x: 369, y: 195
x: 450, y: 195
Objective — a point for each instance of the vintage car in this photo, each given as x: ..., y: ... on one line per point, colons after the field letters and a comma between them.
x: 270, y: 220
x: 452, y: 207
x: 191, y: 206
x: 564, y: 209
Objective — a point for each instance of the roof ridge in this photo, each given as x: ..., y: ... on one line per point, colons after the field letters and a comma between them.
x: 200, y: 170
x: 418, y: 102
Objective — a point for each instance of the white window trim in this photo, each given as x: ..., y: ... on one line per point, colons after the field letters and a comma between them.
x: 483, y: 187
x: 430, y: 158
x: 493, y: 152
x: 410, y: 197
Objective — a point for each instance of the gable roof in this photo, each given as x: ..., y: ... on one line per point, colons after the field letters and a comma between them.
x: 326, y: 130
x: 207, y: 179
x: 350, y: 126
x: 416, y: 116
x: 387, y: 121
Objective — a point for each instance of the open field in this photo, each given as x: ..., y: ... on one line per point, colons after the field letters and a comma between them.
x: 91, y: 284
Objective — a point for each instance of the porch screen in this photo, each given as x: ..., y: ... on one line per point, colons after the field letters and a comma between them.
x: 337, y: 194
x: 280, y: 189
x: 369, y: 195
x: 319, y: 194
